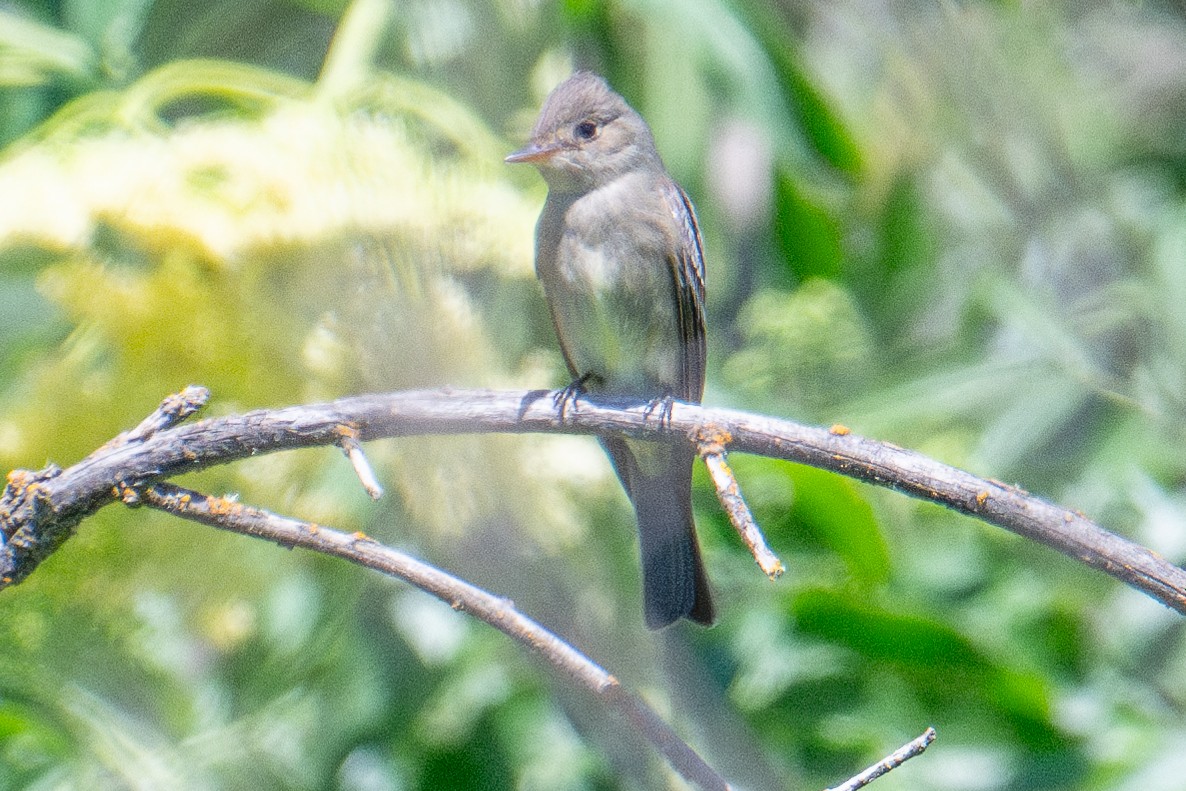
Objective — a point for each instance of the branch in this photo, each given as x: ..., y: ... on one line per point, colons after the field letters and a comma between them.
x: 892, y: 761
x: 39, y: 510
x: 358, y: 460
x: 460, y: 595
x: 729, y: 494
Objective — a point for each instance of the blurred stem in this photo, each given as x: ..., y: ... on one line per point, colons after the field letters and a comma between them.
x: 237, y: 83
x: 143, y: 104
x: 452, y: 119
x: 351, y: 56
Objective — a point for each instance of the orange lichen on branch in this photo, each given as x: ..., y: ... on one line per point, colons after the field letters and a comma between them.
x: 222, y: 506
x: 19, y: 478
x: 346, y: 431
x: 126, y: 494
x: 712, y: 438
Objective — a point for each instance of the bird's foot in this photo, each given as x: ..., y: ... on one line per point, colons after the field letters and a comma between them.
x: 567, y: 397
x: 660, y: 406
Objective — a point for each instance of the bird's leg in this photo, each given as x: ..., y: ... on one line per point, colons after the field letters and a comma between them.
x: 566, y: 397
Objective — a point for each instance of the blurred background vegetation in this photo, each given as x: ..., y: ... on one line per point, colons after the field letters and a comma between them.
x: 957, y: 226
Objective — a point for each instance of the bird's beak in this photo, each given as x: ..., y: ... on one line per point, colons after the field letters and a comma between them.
x: 533, y: 153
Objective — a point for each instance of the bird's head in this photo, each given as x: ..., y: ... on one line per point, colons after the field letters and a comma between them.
x: 587, y: 135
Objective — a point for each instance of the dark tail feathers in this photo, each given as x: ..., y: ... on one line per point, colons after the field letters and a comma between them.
x: 674, y: 582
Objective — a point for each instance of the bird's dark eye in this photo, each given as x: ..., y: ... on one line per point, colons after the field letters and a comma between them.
x: 585, y: 130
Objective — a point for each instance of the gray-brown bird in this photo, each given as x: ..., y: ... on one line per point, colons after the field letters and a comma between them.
x: 619, y: 255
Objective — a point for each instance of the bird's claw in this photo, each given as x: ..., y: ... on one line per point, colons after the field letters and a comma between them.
x: 567, y: 397
x: 663, y: 406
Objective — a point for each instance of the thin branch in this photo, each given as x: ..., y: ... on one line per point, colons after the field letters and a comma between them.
x: 358, y: 460
x: 499, y: 612
x: 172, y: 411
x: 39, y: 510
x: 889, y: 763
x: 729, y: 495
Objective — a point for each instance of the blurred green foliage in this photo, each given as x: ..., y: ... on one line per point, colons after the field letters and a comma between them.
x: 959, y: 227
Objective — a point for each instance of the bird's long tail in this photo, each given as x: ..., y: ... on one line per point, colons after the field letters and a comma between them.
x: 658, y: 479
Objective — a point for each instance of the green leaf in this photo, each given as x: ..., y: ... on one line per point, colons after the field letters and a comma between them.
x: 821, y: 124
x: 903, y: 256
x: 834, y: 511
x: 942, y: 664
x: 819, y: 121
x: 34, y: 54
x: 808, y: 235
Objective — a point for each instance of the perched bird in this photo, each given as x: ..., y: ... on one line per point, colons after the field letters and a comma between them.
x: 618, y: 252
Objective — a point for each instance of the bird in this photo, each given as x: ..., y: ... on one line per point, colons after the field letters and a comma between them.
x: 620, y: 259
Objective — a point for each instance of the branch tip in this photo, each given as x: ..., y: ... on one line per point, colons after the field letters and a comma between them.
x: 892, y: 761
x: 729, y: 494
x: 173, y: 409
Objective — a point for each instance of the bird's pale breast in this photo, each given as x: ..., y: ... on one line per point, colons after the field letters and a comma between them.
x: 608, y: 276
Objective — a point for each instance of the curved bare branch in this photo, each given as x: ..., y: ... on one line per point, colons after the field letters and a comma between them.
x: 39, y: 510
